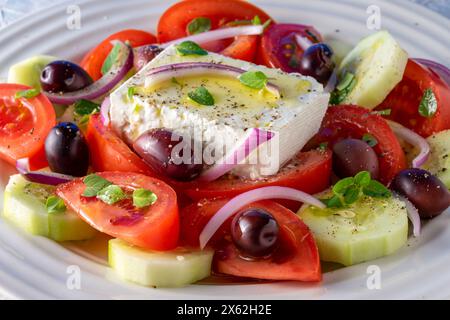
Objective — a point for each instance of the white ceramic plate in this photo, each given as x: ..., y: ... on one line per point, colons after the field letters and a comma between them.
x: 35, y: 267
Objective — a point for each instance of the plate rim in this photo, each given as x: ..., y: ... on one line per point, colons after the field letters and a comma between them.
x: 437, y: 18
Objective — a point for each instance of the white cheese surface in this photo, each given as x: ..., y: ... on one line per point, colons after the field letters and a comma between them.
x: 294, y: 118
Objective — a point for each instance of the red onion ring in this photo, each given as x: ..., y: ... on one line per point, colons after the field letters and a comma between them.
x: 303, y: 42
x: 104, y: 111
x: 414, y: 139
x: 413, y: 214
x: 440, y: 69
x: 100, y: 87
x: 219, y: 34
x: 236, y: 203
x: 50, y: 178
x: 332, y: 82
x: 167, y: 72
x: 255, y: 137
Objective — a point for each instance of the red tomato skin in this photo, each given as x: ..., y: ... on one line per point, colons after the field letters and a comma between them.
x: 110, y: 153
x: 158, y: 230
x: 347, y: 121
x: 173, y: 24
x: 311, y: 176
x: 296, y: 259
x: 30, y: 144
x: 404, y: 100
x: 93, y: 60
x: 270, y: 52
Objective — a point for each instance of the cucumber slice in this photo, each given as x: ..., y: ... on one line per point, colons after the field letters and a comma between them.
x: 24, y: 206
x: 378, y: 63
x: 176, y: 268
x: 368, y: 229
x: 28, y: 72
x: 439, y: 161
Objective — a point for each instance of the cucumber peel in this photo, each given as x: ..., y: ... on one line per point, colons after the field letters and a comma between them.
x: 365, y: 230
x: 24, y: 207
x: 175, y: 268
x: 28, y: 72
x: 378, y: 63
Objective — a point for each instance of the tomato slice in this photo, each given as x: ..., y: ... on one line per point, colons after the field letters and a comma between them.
x: 347, y: 121
x: 279, y: 49
x: 24, y: 125
x: 309, y: 172
x: 404, y: 100
x: 110, y: 153
x: 296, y: 258
x: 93, y: 60
x: 155, y: 227
x: 173, y: 24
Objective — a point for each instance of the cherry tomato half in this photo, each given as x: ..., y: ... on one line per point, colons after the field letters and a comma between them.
x: 405, y: 98
x: 173, y: 24
x: 94, y: 59
x: 24, y: 125
x: 155, y: 227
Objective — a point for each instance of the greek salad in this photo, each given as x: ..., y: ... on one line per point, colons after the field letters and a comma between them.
x: 228, y: 143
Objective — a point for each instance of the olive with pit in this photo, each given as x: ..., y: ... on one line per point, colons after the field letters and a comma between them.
x: 64, y: 76
x: 255, y: 232
x: 425, y: 191
x: 351, y: 156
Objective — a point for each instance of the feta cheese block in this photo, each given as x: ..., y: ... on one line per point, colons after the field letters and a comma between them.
x: 292, y: 118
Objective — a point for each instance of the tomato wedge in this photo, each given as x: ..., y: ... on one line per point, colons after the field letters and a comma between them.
x: 24, y: 125
x: 404, y: 100
x: 309, y: 172
x: 279, y: 49
x: 347, y: 121
x: 93, y: 60
x: 173, y: 24
x: 155, y: 227
x: 296, y: 258
x: 110, y: 153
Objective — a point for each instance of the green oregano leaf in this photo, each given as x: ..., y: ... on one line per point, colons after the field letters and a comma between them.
x: 190, y: 48
x: 370, y: 140
x: 428, y: 104
x: 85, y: 107
x: 254, y: 79
x: 143, y: 198
x: 111, y: 194
x: 55, y: 204
x: 111, y: 59
x: 202, y: 96
x: 27, y: 94
x: 199, y: 25
x: 94, y: 184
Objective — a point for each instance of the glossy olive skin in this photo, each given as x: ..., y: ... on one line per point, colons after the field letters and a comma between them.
x: 351, y: 156
x: 157, y: 148
x: 64, y: 76
x: 66, y: 150
x: 317, y: 62
x: 255, y: 232
x: 144, y: 55
x: 428, y: 194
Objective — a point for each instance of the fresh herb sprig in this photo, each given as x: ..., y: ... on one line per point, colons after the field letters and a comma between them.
x: 110, y: 193
x: 187, y: 48
x: 254, y: 79
x: 348, y: 190
x: 199, y: 25
x: 111, y: 59
x: 343, y: 89
x: 54, y: 205
x: 428, y: 104
x: 27, y: 94
x: 202, y: 96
